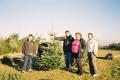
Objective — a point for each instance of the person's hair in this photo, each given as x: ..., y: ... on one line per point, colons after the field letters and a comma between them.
x: 90, y: 34
x: 67, y: 31
x: 80, y: 34
x: 30, y: 35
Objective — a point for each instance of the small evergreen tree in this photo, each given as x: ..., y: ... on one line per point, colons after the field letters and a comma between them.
x: 51, y: 56
x: 12, y: 42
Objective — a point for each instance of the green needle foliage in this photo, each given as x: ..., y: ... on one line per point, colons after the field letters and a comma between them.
x: 51, y: 57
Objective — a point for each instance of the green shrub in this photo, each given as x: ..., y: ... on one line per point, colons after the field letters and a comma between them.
x: 11, y: 44
x: 13, y: 41
x: 4, y: 47
x: 50, y: 58
x: 14, y: 44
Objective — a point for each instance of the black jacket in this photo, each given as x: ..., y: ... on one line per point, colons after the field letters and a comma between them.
x: 83, y: 44
x: 67, y: 43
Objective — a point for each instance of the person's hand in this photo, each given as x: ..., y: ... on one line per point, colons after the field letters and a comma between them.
x: 82, y: 50
x: 31, y: 54
x: 34, y: 55
x: 95, y: 54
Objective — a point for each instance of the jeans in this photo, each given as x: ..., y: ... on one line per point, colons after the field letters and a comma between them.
x: 68, y: 59
x: 92, y: 63
x: 27, y: 62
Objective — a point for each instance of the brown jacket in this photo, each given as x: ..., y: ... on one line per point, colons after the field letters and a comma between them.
x: 29, y: 48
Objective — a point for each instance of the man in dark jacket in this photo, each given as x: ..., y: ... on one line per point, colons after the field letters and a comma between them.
x: 68, y: 39
x: 29, y: 50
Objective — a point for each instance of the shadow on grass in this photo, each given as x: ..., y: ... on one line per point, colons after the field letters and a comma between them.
x: 12, y: 62
x: 17, y: 63
x: 101, y: 58
x: 74, y: 71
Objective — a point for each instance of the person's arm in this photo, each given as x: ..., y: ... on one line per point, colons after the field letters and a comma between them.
x: 59, y: 38
x: 35, y: 49
x: 83, y: 44
x: 95, y: 48
x: 82, y: 48
x: 73, y: 39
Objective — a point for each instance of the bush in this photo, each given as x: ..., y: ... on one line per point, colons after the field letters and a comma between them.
x: 4, y: 47
x: 10, y: 44
x: 50, y: 57
x: 14, y: 44
x: 13, y: 41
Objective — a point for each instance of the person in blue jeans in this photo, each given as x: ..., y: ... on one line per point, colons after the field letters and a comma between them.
x: 29, y: 50
x: 67, y: 44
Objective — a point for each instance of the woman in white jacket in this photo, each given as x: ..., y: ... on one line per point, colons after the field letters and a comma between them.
x: 92, y: 49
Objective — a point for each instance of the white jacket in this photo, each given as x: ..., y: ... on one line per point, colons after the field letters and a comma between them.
x: 92, y: 46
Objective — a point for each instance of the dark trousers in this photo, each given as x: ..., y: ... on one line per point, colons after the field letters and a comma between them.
x: 92, y: 63
x: 68, y: 59
x: 78, y: 62
x: 27, y: 62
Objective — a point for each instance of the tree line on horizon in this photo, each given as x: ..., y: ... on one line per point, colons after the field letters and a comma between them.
x: 112, y: 46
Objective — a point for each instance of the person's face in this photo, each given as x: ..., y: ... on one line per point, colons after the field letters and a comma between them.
x: 77, y: 36
x: 67, y: 34
x: 30, y: 38
x: 90, y: 36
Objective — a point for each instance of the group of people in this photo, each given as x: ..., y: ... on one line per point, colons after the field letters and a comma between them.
x: 74, y: 49
x: 77, y: 48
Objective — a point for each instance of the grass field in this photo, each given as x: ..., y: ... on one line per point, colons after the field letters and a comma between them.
x: 105, y: 68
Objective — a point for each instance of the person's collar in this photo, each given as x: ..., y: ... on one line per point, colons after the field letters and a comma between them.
x: 68, y: 36
x: 90, y: 39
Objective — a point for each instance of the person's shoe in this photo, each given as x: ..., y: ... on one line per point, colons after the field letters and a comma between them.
x: 30, y: 70
x: 95, y: 75
x: 80, y: 74
x: 23, y: 71
x: 66, y: 69
x: 69, y: 70
x: 90, y: 75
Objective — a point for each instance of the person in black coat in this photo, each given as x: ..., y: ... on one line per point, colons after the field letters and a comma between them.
x: 68, y: 39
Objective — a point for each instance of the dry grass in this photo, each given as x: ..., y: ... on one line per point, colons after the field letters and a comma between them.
x: 58, y: 74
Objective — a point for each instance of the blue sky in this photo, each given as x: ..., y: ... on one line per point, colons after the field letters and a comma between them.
x: 102, y: 17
